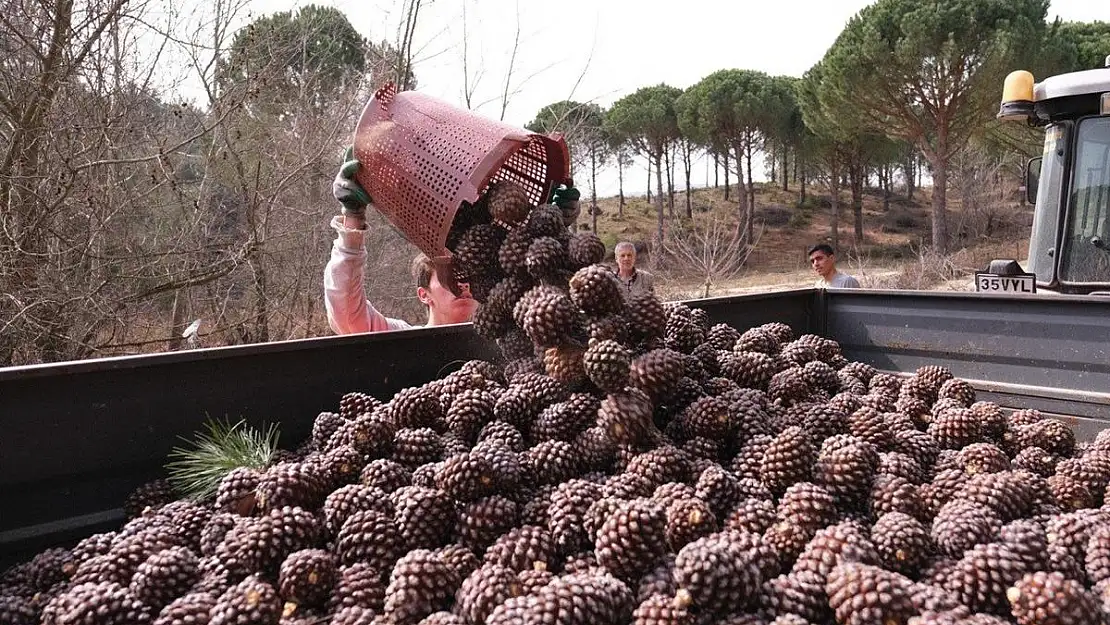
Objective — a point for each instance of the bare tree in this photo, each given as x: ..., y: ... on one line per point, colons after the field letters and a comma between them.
x: 128, y: 213
x: 470, y: 80
x: 710, y: 247
x: 511, y: 80
x: 132, y: 212
x: 582, y: 126
x: 623, y: 157
x: 686, y: 150
x: 988, y: 182
x: 72, y: 107
x: 405, y: 38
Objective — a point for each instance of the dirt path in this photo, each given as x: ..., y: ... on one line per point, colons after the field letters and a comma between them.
x: 763, y: 283
x: 892, y: 276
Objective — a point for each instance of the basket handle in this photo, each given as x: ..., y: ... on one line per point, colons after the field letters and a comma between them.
x: 558, y: 164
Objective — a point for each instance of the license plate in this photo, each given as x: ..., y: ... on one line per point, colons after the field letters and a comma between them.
x: 994, y: 283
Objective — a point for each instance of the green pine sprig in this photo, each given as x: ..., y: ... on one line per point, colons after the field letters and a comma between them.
x: 196, y: 471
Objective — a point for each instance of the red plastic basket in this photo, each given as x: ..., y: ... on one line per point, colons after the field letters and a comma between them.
x: 422, y: 157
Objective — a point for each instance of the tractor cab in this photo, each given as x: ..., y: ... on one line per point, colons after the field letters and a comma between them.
x: 1069, y: 184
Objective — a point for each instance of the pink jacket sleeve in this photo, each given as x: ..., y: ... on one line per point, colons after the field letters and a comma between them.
x: 349, y: 312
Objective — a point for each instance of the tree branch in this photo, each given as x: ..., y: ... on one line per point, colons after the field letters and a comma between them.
x: 512, y: 64
x: 161, y: 152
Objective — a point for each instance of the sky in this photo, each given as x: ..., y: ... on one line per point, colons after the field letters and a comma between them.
x: 600, y: 50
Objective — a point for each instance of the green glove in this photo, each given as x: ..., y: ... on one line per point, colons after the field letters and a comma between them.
x: 347, y: 190
x: 566, y: 198
x: 563, y: 194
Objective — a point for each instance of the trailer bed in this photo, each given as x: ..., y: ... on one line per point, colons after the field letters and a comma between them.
x: 78, y: 437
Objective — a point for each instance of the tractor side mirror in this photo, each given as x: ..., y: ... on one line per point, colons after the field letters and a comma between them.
x: 1032, y: 179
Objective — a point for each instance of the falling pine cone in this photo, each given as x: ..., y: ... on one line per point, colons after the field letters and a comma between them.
x: 596, y: 290
x: 564, y: 363
x: 606, y: 363
x: 585, y: 248
x: 508, y: 203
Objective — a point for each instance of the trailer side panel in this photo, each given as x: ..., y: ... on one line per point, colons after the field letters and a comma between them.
x: 78, y: 437
x: 1046, y: 352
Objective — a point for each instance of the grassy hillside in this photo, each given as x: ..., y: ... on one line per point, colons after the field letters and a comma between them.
x: 893, y: 253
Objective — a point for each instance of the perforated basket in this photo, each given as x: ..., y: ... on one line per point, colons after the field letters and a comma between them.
x: 422, y: 157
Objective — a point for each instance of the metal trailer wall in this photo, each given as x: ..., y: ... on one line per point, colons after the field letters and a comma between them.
x: 1047, y: 352
x: 76, y: 438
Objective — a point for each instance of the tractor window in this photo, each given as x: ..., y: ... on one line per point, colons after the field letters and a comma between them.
x: 1086, y: 253
x: 1047, y: 216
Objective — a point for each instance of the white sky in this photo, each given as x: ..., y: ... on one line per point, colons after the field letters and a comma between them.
x: 613, y: 46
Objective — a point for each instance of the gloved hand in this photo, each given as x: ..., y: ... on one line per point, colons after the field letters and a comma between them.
x: 347, y: 190
x: 566, y: 198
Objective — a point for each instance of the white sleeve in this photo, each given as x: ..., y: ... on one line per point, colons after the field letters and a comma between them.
x: 348, y: 310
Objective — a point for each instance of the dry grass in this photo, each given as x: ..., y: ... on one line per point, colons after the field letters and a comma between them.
x: 929, y: 270
x: 893, y: 254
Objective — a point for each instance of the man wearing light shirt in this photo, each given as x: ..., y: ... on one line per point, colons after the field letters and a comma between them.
x: 823, y: 260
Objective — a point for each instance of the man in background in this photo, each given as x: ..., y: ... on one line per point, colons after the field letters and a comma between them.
x: 823, y: 260
x: 633, y: 279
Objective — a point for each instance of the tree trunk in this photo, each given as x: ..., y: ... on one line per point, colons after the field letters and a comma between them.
x: 688, y: 165
x: 724, y: 157
x: 881, y: 174
x: 668, y: 160
x: 620, y: 185
x: 716, y: 165
x: 593, y: 190
x: 657, y: 252
x: 261, y: 303
x: 751, y: 189
x: 856, y: 177
x: 940, y: 195
x: 887, y: 175
x: 910, y: 177
x: 649, y: 182
x: 918, y: 168
x: 785, y: 169
x: 969, y: 203
x: 771, y: 152
x: 834, y: 217
x: 28, y: 230
x: 742, y: 200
